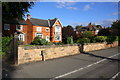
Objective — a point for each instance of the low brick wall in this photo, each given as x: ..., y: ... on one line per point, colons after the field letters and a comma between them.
x: 33, y: 53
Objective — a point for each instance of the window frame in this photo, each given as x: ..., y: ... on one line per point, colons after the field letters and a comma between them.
x: 8, y: 26
x: 38, y: 35
x: 47, y: 30
x: 21, y: 27
x: 21, y: 38
x: 39, y: 29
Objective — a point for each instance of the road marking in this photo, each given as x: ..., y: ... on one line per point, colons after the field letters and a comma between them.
x: 83, y: 67
x: 113, y: 78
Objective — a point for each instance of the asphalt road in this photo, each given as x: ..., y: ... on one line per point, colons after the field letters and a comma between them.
x: 96, y: 64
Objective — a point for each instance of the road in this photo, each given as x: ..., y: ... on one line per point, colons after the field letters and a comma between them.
x: 81, y: 66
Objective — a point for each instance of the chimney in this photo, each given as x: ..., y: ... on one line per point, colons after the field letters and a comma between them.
x: 28, y: 16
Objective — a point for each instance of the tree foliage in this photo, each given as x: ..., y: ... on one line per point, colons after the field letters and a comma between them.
x: 116, y: 24
x: 15, y: 10
x: 87, y: 34
x: 78, y: 26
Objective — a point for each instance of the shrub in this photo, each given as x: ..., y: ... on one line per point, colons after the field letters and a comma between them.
x: 99, y: 39
x: 5, y: 41
x: 83, y: 40
x: 70, y: 40
x: 87, y: 34
x: 110, y: 39
x: 38, y: 41
x: 117, y: 38
x: 43, y: 42
x: 49, y: 43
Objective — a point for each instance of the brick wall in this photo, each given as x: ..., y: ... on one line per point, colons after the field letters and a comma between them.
x: 33, y: 53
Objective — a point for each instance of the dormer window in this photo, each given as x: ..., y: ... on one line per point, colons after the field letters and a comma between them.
x: 19, y: 27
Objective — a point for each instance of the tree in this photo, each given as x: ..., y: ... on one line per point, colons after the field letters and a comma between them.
x: 104, y: 32
x: 67, y: 31
x: 15, y: 10
x: 69, y: 26
x: 78, y: 26
x: 99, y: 26
x: 87, y: 34
x: 116, y: 24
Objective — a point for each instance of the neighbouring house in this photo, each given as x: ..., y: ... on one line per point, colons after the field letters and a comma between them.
x: 90, y: 27
x: 28, y: 29
x: 18, y: 26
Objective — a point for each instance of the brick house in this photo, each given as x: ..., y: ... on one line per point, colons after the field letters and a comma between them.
x: 12, y: 26
x: 50, y: 29
x: 90, y: 27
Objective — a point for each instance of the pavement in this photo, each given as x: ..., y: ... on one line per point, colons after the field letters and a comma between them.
x: 96, y: 64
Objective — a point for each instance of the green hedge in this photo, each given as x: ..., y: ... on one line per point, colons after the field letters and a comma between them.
x: 99, y: 39
x: 4, y: 41
x: 83, y: 40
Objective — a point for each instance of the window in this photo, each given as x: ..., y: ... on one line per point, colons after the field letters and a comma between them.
x: 57, y: 37
x: 39, y: 29
x: 47, y: 29
x: 21, y: 37
x: 40, y: 35
x: 47, y: 38
x: 19, y: 27
x: 6, y: 26
x: 57, y: 28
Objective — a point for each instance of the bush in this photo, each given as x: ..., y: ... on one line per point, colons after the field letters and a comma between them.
x: 5, y: 41
x: 117, y: 38
x: 38, y: 41
x: 87, y: 34
x: 70, y: 40
x: 110, y: 39
x: 83, y: 40
x: 99, y: 39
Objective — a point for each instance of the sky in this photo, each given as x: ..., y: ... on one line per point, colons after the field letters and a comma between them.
x: 77, y: 13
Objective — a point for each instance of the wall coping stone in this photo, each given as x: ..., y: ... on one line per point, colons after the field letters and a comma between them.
x: 46, y: 46
x: 55, y: 46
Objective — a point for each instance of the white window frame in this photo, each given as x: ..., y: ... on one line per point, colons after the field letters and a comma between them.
x: 47, y: 29
x: 59, y: 38
x: 21, y: 37
x: 47, y: 38
x: 39, y: 29
x: 6, y: 26
x: 59, y: 28
x: 21, y: 27
x: 37, y: 35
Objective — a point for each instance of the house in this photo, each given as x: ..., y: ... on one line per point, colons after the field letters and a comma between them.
x: 28, y: 29
x: 12, y: 26
x: 50, y: 29
x: 90, y: 27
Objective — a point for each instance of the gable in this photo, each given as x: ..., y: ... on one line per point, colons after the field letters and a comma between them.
x: 58, y: 23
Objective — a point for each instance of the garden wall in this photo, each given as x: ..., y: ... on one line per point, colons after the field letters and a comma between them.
x: 34, y: 53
